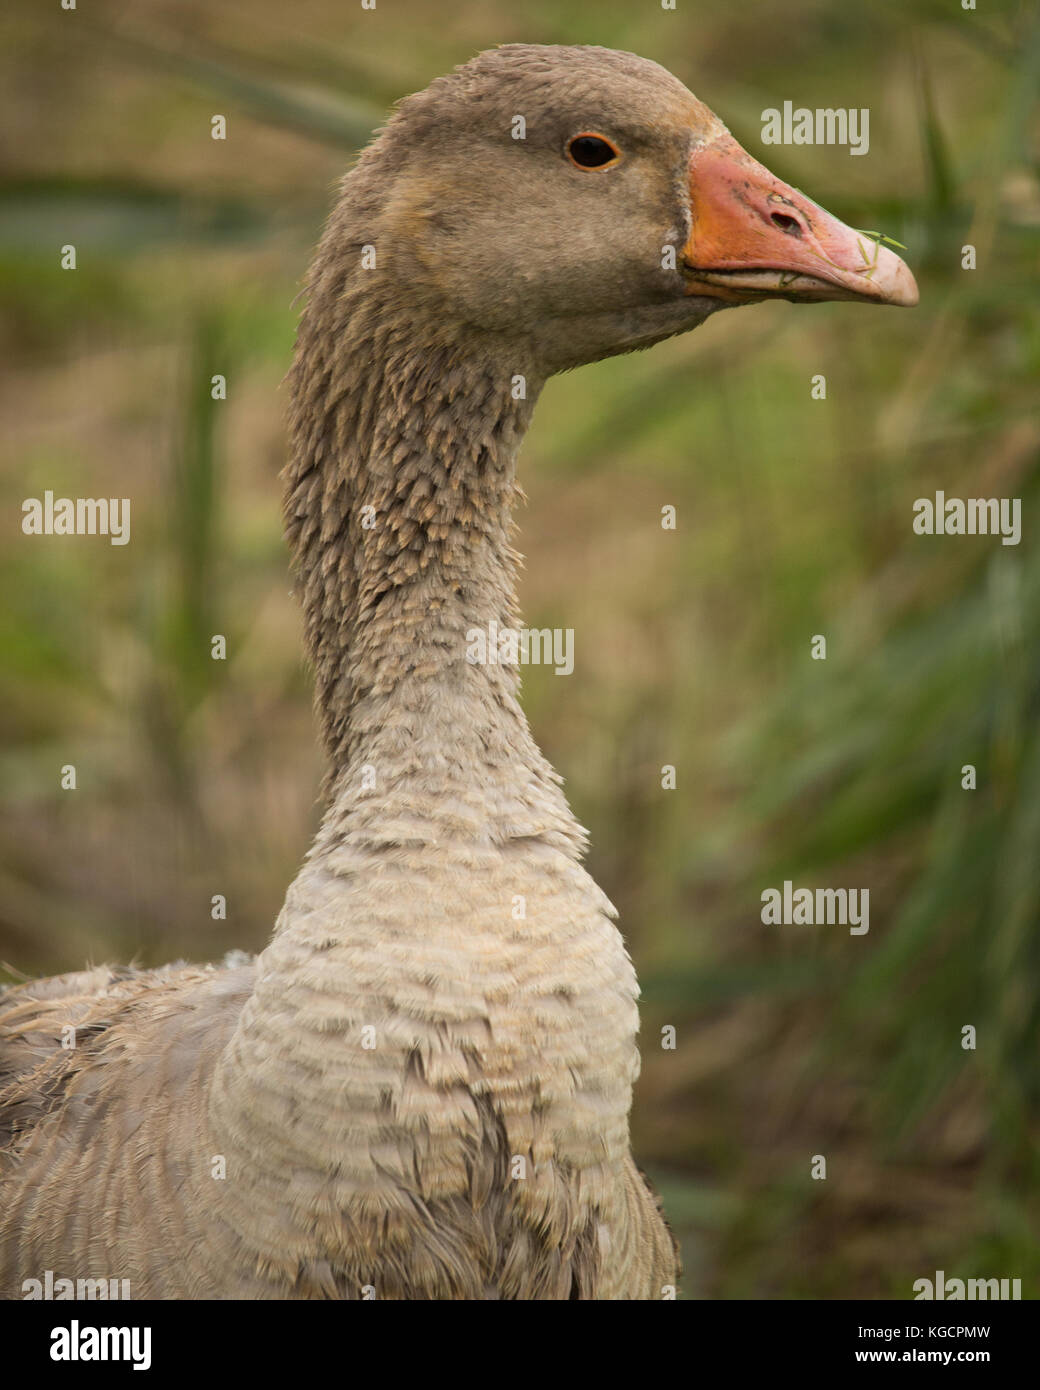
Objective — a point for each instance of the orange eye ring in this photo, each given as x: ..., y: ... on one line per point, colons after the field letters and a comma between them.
x: 590, y: 150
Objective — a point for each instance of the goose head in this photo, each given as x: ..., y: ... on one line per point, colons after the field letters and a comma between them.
x: 582, y: 203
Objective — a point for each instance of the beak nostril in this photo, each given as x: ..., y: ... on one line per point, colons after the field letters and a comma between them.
x: 789, y: 225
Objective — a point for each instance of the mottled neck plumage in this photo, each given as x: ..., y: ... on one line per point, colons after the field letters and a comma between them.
x: 398, y: 507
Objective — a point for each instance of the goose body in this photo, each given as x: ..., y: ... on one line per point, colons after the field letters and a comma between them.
x: 421, y: 1087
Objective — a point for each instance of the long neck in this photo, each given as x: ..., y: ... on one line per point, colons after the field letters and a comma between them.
x: 398, y: 508
x: 441, y: 910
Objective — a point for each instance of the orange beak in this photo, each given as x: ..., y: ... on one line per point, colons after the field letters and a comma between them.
x: 754, y: 236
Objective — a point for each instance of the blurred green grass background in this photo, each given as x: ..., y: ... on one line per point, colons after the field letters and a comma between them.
x: 198, y: 777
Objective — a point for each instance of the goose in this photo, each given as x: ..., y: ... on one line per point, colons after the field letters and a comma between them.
x: 420, y: 1089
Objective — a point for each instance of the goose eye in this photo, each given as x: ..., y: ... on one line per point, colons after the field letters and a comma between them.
x: 592, y: 151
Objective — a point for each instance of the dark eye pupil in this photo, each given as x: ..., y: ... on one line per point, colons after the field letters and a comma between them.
x: 590, y: 152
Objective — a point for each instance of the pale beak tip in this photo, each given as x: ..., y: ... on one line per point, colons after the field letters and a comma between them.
x: 895, y: 280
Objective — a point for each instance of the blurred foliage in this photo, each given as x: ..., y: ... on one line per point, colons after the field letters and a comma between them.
x: 692, y: 646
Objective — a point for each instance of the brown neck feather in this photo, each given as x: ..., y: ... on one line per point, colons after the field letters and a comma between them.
x: 398, y: 506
